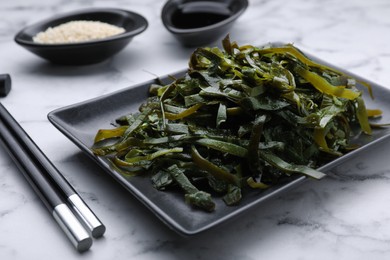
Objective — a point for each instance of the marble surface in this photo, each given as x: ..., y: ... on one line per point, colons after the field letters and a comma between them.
x: 345, y: 216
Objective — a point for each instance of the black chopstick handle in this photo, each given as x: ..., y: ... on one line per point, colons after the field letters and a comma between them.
x: 54, y: 203
x: 85, y: 214
x: 31, y: 172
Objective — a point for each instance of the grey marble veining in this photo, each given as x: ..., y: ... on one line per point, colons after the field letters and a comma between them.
x: 344, y: 216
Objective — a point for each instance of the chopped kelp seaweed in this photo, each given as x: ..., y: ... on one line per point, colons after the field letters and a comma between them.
x: 241, y: 118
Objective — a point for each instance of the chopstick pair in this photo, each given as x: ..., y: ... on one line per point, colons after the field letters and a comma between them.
x: 53, y: 189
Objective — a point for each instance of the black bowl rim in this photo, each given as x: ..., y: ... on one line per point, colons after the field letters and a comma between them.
x: 141, y: 25
x: 173, y: 29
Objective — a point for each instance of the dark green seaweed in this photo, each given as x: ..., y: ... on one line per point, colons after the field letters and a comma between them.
x: 241, y: 118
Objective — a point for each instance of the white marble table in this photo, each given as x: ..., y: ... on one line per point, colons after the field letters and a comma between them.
x: 346, y: 216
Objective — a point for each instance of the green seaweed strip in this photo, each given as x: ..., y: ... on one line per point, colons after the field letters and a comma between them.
x: 290, y: 168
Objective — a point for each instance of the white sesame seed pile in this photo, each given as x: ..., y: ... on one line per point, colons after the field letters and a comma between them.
x: 77, y: 31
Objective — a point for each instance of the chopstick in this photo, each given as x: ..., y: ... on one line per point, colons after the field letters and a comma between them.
x: 85, y: 214
x: 49, y: 183
x: 54, y: 203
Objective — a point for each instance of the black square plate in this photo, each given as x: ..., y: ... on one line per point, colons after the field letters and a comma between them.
x: 81, y: 121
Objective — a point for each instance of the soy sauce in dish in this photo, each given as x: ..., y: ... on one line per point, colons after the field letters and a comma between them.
x: 200, y: 14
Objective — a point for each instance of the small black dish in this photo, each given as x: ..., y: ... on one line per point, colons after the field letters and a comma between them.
x: 199, y: 22
x: 87, y: 52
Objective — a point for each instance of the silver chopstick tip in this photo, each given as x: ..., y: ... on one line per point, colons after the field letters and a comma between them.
x: 98, y: 231
x: 72, y: 227
x: 91, y: 222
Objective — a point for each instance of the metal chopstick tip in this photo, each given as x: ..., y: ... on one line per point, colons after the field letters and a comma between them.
x: 72, y: 227
x: 88, y: 218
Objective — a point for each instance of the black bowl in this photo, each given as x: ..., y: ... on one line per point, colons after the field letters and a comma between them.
x: 87, y: 52
x: 199, y: 22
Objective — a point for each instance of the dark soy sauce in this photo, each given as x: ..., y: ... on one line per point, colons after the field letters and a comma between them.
x: 200, y: 14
